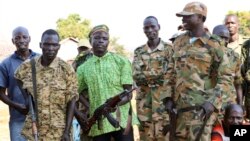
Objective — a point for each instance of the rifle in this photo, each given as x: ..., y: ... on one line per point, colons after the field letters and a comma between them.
x: 33, y: 117
x: 171, y: 128
x: 105, y: 110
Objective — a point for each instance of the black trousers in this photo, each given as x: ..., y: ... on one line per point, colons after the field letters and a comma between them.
x: 116, y: 135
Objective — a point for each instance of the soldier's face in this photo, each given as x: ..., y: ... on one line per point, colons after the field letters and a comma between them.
x: 50, y: 46
x: 151, y: 28
x: 100, y: 42
x: 232, y: 24
x: 191, y: 21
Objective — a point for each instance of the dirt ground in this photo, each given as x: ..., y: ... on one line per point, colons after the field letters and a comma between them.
x: 4, y: 119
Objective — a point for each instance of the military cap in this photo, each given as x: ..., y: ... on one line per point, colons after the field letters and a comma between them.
x: 193, y: 8
x: 83, y: 43
x: 97, y: 28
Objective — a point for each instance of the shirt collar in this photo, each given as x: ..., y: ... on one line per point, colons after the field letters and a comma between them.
x: 96, y: 58
x: 54, y: 64
x: 203, y: 38
x: 160, y: 47
x: 32, y: 54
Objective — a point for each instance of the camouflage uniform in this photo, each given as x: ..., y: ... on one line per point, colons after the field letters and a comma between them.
x: 246, y: 75
x: 231, y: 69
x: 149, y: 67
x: 56, y: 86
x: 81, y: 58
x: 237, y: 45
x: 190, y: 80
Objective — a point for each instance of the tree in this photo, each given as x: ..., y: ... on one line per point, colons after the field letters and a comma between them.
x: 117, y: 48
x: 75, y: 27
x: 244, y: 19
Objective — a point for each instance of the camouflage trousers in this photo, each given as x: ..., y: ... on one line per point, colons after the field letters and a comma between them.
x: 189, y: 124
x: 46, y: 133
x: 152, y: 131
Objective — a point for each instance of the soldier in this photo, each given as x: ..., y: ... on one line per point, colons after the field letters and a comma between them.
x: 15, y: 99
x: 84, y: 53
x: 236, y: 40
x: 245, y: 71
x: 230, y: 68
x: 149, y: 66
x: 56, y: 94
x: 103, y: 76
x: 192, y: 82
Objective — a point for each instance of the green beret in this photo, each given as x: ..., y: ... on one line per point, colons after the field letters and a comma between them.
x: 102, y: 27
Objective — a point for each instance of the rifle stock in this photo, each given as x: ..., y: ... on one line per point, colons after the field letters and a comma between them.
x: 105, y: 110
x: 33, y: 117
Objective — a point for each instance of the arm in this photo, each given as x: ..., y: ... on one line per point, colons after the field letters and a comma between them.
x: 138, y: 66
x: 215, y: 93
x: 239, y: 94
x: 81, y: 114
x: 20, y: 107
x: 126, y: 99
x: 69, y: 118
x: 238, y: 81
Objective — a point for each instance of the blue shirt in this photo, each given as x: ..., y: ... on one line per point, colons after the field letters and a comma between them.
x: 7, y: 69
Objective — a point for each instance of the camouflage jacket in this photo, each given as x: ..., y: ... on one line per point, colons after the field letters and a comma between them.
x: 193, y: 74
x: 149, y: 66
x: 56, y: 86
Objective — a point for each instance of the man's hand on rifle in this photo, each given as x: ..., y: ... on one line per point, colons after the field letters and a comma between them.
x: 169, y: 104
x: 208, y: 109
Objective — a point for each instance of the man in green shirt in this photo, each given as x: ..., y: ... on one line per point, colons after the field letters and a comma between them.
x: 103, y: 76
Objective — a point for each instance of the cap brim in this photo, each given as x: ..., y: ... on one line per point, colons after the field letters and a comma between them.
x: 184, y: 13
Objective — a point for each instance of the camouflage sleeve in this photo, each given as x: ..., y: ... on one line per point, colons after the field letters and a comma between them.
x: 169, y: 79
x: 23, y: 73
x: 138, y: 75
x: 215, y: 94
x: 71, y: 82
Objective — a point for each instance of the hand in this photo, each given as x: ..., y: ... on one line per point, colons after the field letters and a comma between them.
x: 208, y: 109
x: 65, y: 136
x: 169, y: 104
x: 22, y: 109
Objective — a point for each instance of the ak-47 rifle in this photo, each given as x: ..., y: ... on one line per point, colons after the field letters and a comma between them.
x: 33, y: 118
x: 105, y: 110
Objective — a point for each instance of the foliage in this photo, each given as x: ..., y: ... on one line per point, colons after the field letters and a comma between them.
x: 117, y: 48
x: 73, y: 26
x: 244, y: 18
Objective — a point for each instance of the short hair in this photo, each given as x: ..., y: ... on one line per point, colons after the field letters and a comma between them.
x: 232, y: 15
x: 151, y: 17
x: 19, y: 28
x: 230, y: 107
x: 50, y: 32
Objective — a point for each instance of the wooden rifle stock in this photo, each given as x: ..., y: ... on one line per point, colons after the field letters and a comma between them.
x: 33, y: 118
